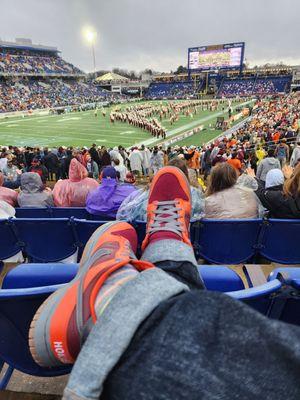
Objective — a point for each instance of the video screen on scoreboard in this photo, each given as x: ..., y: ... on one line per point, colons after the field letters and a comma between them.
x: 223, y: 56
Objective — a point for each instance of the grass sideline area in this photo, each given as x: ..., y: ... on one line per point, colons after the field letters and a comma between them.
x: 83, y: 128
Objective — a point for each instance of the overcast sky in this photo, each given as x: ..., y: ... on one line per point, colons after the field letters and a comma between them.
x: 137, y: 34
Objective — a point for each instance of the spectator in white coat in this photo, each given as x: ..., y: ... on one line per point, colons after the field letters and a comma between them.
x: 136, y: 160
x: 146, y: 154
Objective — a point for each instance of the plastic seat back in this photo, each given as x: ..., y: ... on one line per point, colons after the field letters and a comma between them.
x: 261, y: 298
x: 46, y: 240
x: 17, y: 308
x: 68, y: 212
x: 220, y: 278
x: 287, y: 307
x: 280, y: 241
x: 84, y: 230
x: 37, y: 275
x: 225, y: 241
x: 9, y: 242
x: 34, y: 212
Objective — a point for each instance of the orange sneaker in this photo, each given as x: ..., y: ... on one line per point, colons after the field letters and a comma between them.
x: 169, y: 207
x: 60, y: 325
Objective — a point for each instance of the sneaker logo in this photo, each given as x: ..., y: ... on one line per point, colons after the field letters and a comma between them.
x: 59, y: 350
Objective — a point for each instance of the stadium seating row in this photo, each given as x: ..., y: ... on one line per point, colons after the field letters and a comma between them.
x: 20, y: 299
x: 216, y: 241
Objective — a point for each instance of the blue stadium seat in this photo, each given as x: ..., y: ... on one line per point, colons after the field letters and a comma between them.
x: 287, y: 307
x: 68, y: 212
x: 217, y: 278
x: 38, y: 275
x: 46, y: 240
x: 34, y: 212
x: 280, y: 241
x: 220, y: 278
x: 225, y: 241
x: 261, y: 298
x: 84, y: 230
x: 17, y: 308
x: 10, y: 244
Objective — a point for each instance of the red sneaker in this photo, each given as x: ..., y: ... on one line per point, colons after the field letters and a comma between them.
x: 169, y: 207
x: 56, y: 332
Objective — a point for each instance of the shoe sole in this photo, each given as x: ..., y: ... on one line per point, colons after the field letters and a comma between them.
x: 39, y: 340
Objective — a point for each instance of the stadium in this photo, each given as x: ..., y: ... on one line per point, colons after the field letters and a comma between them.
x: 149, y: 216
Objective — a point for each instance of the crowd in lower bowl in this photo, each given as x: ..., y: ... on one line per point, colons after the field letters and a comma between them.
x: 253, y: 172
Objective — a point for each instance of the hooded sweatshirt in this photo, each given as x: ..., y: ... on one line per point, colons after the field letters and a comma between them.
x: 32, y: 192
x: 266, y: 165
x: 73, y: 192
x: 108, y: 197
x: 7, y: 195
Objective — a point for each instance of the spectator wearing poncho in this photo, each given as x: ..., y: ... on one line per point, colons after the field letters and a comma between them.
x: 73, y: 192
x: 7, y: 195
x: 32, y: 192
x: 108, y: 197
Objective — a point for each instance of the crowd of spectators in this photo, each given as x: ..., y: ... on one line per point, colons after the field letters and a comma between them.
x: 31, y: 94
x: 173, y: 90
x: 254, y: 86
x: 254, y: 171
x: 29, y: 62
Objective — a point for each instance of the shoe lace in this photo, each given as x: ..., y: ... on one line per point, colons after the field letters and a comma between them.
x: 166, y: 217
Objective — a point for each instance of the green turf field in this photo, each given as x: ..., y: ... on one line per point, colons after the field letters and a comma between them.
x: 83, y: 129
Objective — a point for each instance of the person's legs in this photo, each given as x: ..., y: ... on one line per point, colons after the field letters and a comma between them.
x: 205, y: 345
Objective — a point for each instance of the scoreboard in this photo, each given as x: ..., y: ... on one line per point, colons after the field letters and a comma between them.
x: 221, y: 56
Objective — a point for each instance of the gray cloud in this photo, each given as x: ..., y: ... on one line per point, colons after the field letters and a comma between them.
x: 136, y: 34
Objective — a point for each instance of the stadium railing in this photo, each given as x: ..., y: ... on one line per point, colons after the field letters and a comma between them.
x: 216, y: 241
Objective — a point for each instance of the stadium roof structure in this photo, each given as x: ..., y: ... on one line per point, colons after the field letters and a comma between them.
x: 26, y: 44
x: 111, y: 77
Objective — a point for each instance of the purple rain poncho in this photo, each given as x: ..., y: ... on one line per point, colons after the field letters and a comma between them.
x: 107, y: 198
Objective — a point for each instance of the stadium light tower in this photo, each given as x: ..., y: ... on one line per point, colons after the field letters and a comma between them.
x: 90, y: 36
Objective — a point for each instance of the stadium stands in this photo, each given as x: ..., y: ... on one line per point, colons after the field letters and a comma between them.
x: 171, y: 90
x: 37, y: 79
x: 254, y: 86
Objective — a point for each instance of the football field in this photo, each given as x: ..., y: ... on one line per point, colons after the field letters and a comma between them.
x: 83, y: 128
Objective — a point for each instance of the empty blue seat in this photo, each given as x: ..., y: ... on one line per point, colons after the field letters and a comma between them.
x: 220, y: 278
x: 17, y: 308
x: 68, y: 212
x: 38, y: 275
x: 10, y: 244
x: 261, y: 298
x: 280, y: 241
x: 84, y: 230
x: 225, y: 241
x: 33, y: 212
x: 287, y: 307
x: 46, y: 240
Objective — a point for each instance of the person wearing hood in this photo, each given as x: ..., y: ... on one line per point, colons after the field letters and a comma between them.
x: 73, y: 192
x: 6, y: 194
x: 295, y: 155
x: 146, y: 154
x: 266, y: 165
x: 281, y: 199
x: 136, y: 161
x: 108, y: 197
x: 32, y: 192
